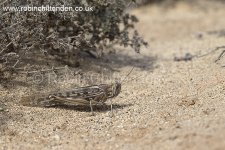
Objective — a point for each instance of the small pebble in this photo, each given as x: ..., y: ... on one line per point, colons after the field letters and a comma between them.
x: 57, y: 137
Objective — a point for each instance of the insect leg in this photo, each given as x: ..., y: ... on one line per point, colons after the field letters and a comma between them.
x: 112, y: 114
x: 92, y: 112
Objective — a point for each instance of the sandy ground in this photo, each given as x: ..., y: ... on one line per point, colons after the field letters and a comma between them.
x: 169, y: 105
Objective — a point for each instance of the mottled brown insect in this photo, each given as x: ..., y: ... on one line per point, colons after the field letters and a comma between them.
x: 89, y: 95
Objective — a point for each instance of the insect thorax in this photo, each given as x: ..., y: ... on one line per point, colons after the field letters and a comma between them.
x: 114, y: 90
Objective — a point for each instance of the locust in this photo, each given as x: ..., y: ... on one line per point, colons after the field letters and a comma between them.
x: 88, y: 95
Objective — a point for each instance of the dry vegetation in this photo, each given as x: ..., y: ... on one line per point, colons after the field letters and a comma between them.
x: 64, y: 35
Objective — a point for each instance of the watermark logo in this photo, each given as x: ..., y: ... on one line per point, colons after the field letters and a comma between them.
x: 48, y: 8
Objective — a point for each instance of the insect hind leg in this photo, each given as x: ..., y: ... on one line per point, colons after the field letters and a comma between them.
x: 92, y: 112
x: 112, y: 114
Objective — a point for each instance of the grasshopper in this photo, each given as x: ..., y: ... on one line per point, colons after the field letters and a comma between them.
x: 88, y: 95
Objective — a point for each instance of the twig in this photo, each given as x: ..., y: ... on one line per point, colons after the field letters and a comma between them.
x: 42, y: 70
x: 3, y: 2
x: 16, y: 63
x: 219, y: 57
x: 6, y: 47
x: 214, y: 50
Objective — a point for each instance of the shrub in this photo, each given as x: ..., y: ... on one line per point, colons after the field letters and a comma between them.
x: 65, y: 34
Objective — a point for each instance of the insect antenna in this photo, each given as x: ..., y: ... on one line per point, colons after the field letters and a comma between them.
x: 141, y: 76
x: 127, y: 75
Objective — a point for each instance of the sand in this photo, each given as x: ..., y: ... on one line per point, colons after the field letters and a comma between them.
x: 165, y: 104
